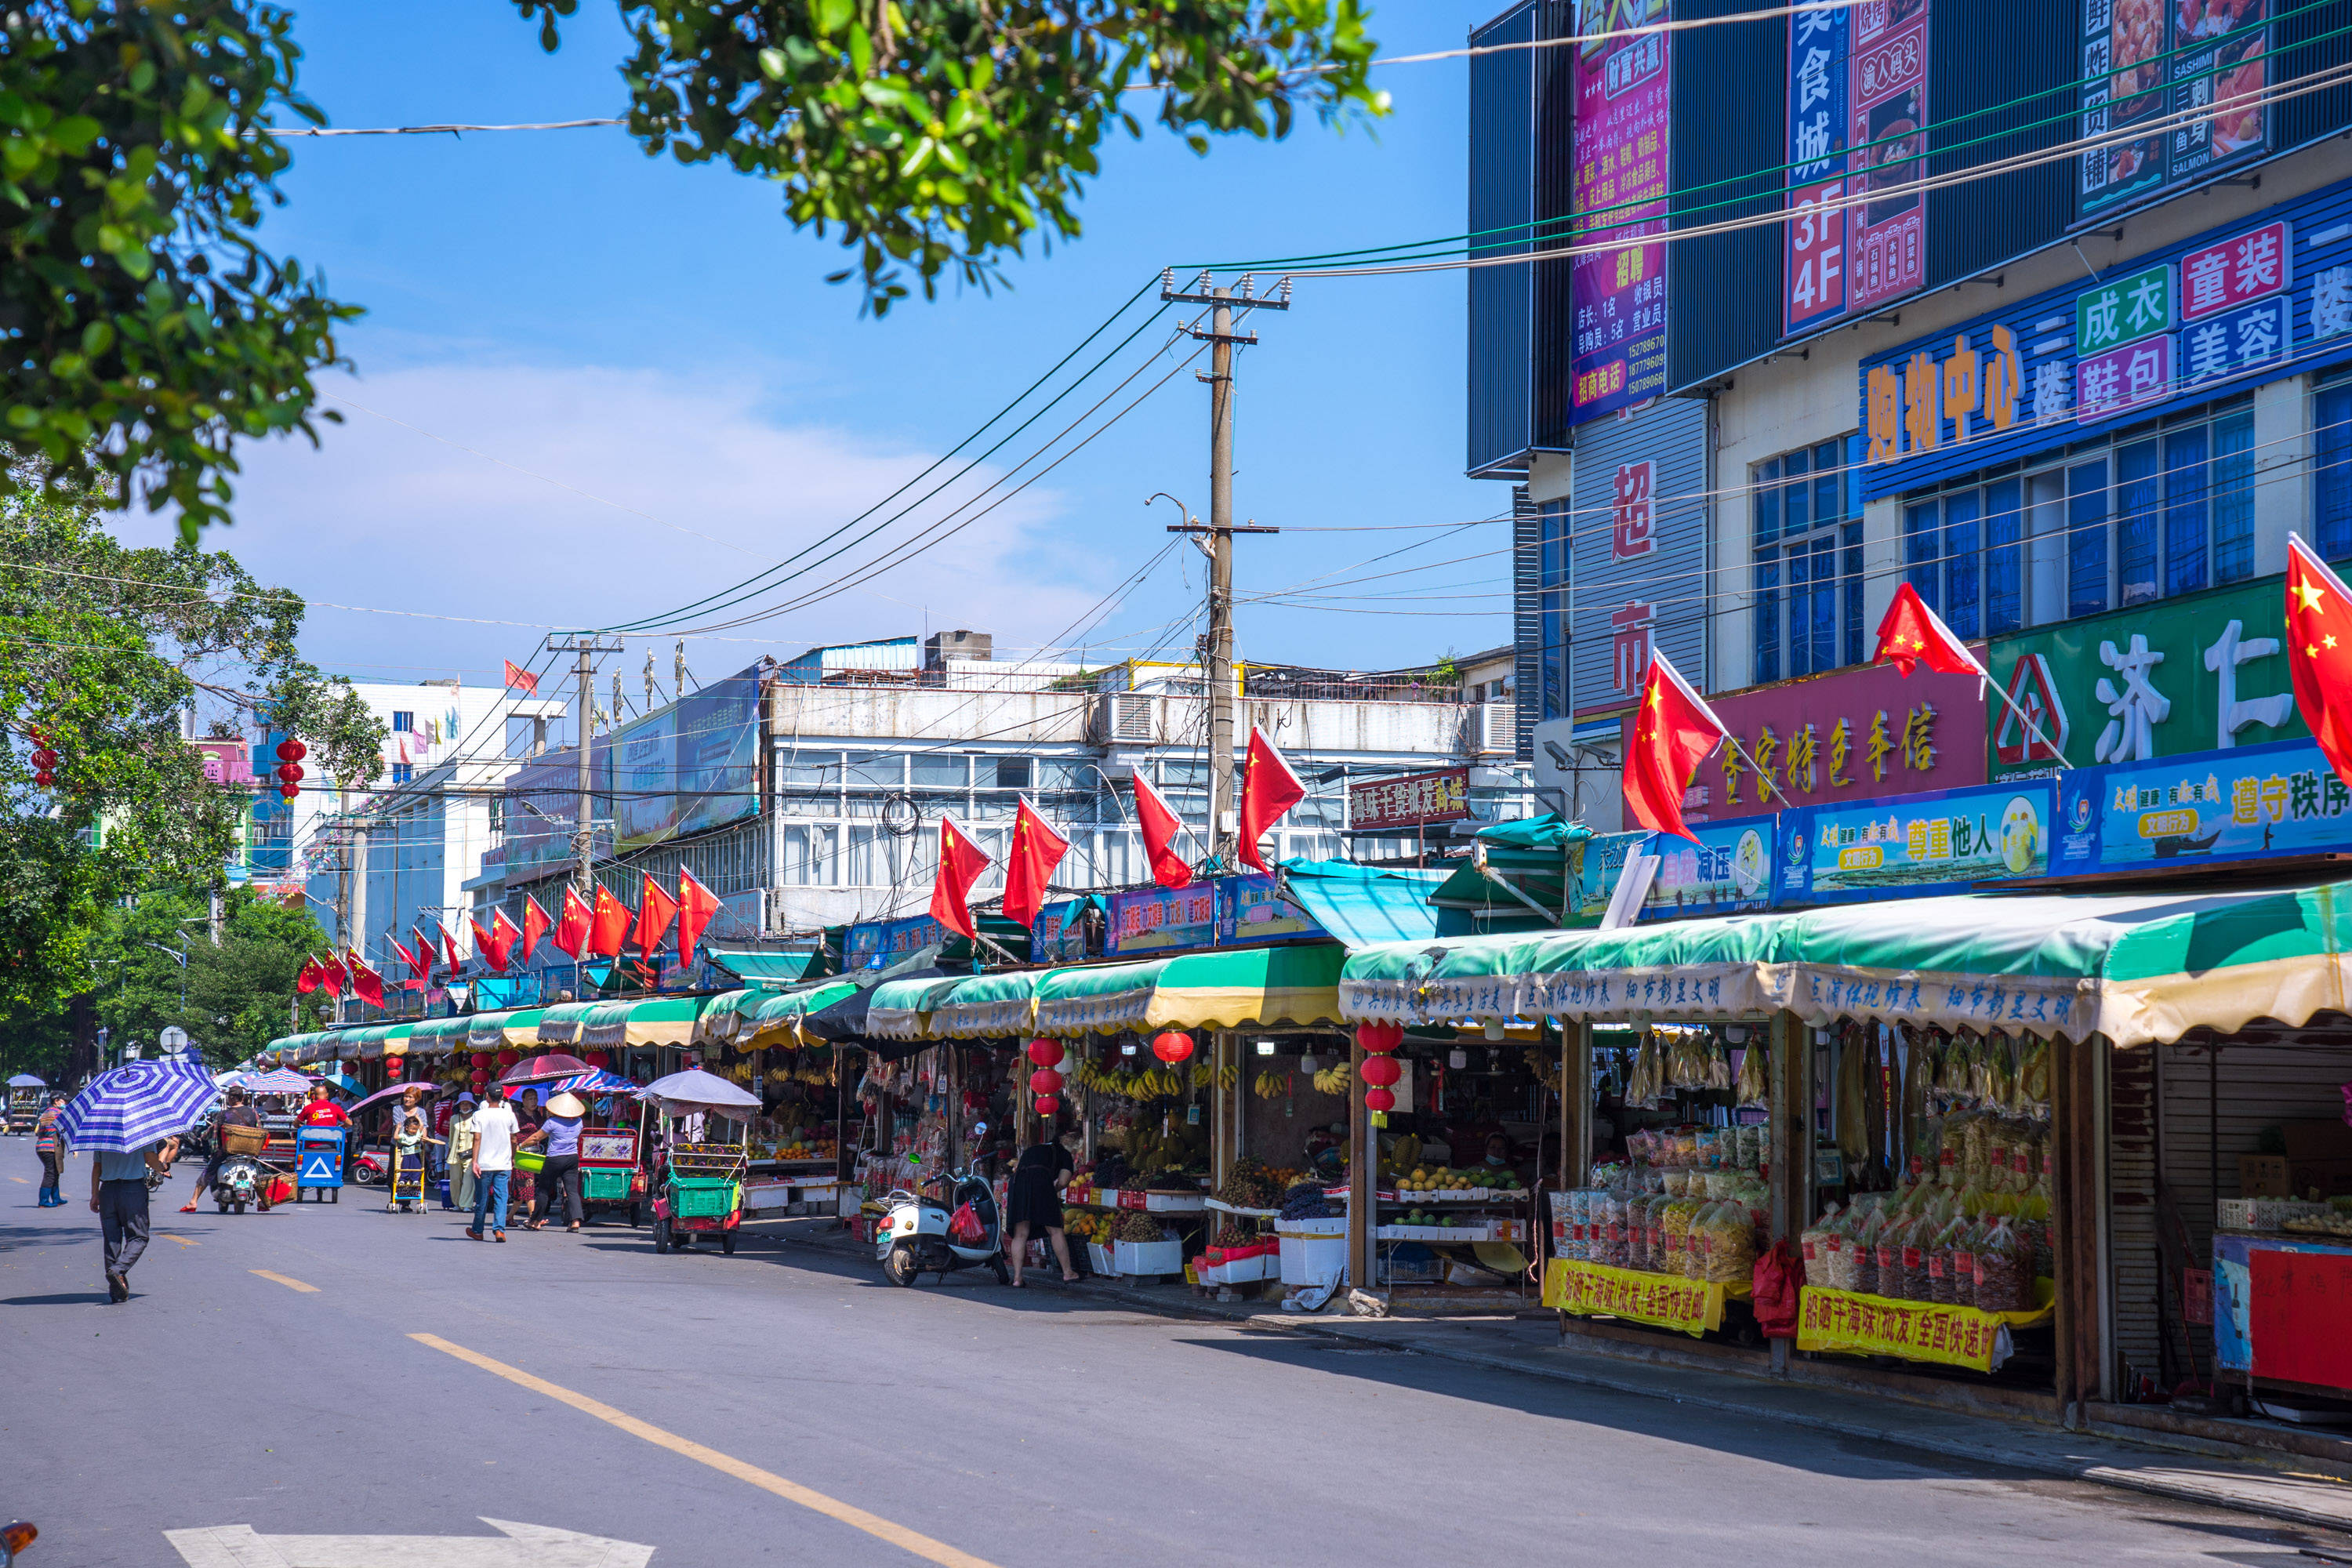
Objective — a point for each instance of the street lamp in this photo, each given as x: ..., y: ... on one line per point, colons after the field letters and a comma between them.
x: 179, y: 957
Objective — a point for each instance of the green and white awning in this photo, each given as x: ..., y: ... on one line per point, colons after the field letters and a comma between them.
x: 985, y: 1006
x: 1097, y: 998
x: 647, y: 1021
x: 781, y: 1015
x: 2136, y: 968
x: 560, y: 1024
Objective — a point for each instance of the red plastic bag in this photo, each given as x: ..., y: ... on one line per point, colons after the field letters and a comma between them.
x: 1779, y: 1275
x: 964, y: 1227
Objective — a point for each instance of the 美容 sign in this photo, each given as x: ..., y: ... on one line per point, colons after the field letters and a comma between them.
x: 2202, y: 673
x: 1865, y: 732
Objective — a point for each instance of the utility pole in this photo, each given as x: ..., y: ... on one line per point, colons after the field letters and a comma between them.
x: 584, y: 712
x: 343, y: 842
x: 1222, y: 305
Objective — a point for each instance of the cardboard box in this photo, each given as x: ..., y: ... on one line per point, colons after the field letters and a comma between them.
x: 2263, y: 1176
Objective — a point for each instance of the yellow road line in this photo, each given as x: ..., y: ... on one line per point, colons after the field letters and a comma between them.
x: 20, y: 1181
x: 282, y: 1280
x: 183, y: 1240
x: 897, y: 1535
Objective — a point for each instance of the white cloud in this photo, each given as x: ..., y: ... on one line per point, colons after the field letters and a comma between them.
x: 390, y: 517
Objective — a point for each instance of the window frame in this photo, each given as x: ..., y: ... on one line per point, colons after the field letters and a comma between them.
x: 1805, y: 557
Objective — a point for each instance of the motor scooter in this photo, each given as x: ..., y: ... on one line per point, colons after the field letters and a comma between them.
x: 240, y: 1180
x: 918, y: 1235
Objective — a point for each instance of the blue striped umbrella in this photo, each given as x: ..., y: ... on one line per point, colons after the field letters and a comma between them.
x: 595, y: 1081
x: 283, y: 1080
x: 127, y: 1107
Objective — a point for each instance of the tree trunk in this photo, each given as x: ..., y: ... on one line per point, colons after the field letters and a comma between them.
x: 82, y: 1057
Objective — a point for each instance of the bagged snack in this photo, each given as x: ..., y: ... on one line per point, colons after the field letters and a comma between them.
x: 1890, y: 1254
x: 2002, y: 1279
x: 1752, y: 1084
x: 1919, y: 1240
x: 1724, y: 1247
x: 1964, y: 1261
x: 1943, y: 1261
x: 1676, y: 1222
x: 1813, y: 1246
x: 1864, y: 1252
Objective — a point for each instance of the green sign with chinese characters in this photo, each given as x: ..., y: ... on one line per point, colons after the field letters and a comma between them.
x: 2122, y: 310
x: 2208, y: 672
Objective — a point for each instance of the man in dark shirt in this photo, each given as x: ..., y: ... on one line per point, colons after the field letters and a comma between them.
x: 236, y: 1114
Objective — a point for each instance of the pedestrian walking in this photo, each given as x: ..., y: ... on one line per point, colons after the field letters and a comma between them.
x: 460, y: 1192
x: 118, y: 1196
x: 411, y: 1157
x: 493, y: 1162
x: 560, y: 1172
x: 1034, y: 1201
x: 49, y: 1143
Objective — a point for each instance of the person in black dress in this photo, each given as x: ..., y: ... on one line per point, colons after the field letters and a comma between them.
x: 1034, y: 1201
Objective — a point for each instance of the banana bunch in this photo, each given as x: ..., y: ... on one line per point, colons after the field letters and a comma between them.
x: 1337, y: 1078
x: 1229, y: 1076
x: 1203, y: 1074
x: 1270, y: 1084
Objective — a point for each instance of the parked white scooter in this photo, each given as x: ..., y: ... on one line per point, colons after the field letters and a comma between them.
x: 920, y: 1235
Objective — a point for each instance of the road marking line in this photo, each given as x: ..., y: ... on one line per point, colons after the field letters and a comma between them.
x: 183, y: 1240
x: 897, y: 1535
x: 282, y: 1280
x: 20, y: 1181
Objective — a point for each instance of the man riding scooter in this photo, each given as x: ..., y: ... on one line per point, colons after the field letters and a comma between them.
x: 236, y: 1114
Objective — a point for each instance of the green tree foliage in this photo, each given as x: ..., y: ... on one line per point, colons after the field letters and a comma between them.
x: 942, y: 133
x: 142, y: 328
x: 239, y: 995
x: 103, y: 647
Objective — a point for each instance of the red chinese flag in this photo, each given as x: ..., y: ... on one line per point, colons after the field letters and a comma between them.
x: 483, y: 950
x: 449, y: 947
x: 1270, y: 790
x: 414, y: 982
x: 961, y: 864
x: 1674, y: 734
x: 1029, y: 868
x: 572, y: 932
x: 696, y: 906
x: 1912, y: 633
x: 535, y: 924
x: 1160, y: 826
x: 2319, y: 651
x: 366, y: 984
x: 608, y: 927
x: 331, y: 977
x: 308, y: 977
x: 655, y: 910
x: 520, y: 679
x: 503, y: 937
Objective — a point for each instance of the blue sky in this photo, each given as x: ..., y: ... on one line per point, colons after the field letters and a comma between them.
x: 556, y: 313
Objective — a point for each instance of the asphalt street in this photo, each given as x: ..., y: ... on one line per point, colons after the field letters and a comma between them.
x: 343, y: 1372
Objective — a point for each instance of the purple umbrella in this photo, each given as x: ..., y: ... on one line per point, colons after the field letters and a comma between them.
x: 543, y: 1069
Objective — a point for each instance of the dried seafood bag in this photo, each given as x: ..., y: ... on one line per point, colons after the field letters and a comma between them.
x: 1863, y: 1250
x: 1943, y: 1262
x: 1726, y: 1245
x: 1813, y: 1243
x: 1718, y: 1064
x: 2003, y: 1271
x: 1753, y: 1082
x: 1675, y: 1223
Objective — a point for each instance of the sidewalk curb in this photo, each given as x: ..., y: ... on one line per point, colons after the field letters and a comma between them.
x: 2180, y: 1489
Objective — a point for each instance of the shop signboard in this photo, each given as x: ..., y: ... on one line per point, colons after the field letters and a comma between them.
x: 1251, y: 909
x: 645, y: 779
x: 1618, y: 192
x: 1059, y: 935
x: 543, y: 807
x: 1163, y: 920
x: 2163, y: 679
x: 2157, y: 63
x: 2250, y: 301
x: 1857, y: 117
x: 690, y: 766
x: 1414, y: 801
x: 878, y: 944
x: 2251, y: 802
x: 1947, y: 842
x: 1865, y: 732
x: 1636, y: 527
x: 1818, y: 112
x: 1728, y: 872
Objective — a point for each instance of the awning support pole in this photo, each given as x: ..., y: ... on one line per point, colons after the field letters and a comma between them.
x: 1363, y: 1168
x: 1791, y: 1108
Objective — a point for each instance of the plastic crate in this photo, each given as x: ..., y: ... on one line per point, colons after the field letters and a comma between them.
x: 604, y: 1184
x: 701, y: 1197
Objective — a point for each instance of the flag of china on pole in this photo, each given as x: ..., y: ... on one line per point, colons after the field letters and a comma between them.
x: 449, y: 947
x: 2319, y: 651
x: 503, y: 937
x: 1269, y: 790
x: 535, y: 924
x: 696, y: 906
x: 961, y: 864
x: 655, y: 910
x: 1673, y: 732
x: 520, y: 679
x: 417, y: 968
x: 1161, y: 824
x: 608, y: 926
x: 332, y: 976
x: 1029, y: 868
x: 571, y: 933
x: 1912, y: 633
x: 366, y: 984
x: 486, y: 951
x: 310, y: 977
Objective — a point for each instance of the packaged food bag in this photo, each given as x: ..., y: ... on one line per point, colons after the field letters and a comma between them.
x: 2004, y: 1281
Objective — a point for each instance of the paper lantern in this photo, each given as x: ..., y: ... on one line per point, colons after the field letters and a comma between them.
x: 1048, y: 1105
x: 393, y: 1068
x: 45, y: 778
x: 291, y: 751
x: 1379, y: 1099
x: 595, y: 1058
x: 1173, y: 1046
x: 43, y: 758
x: 1379, y: 1037
x: 287, y: 791
x: 481, y: 1061
x: 1044, y: 1080
x: 479, y: 1080
x: 290, y: 772
x: 1382, y: 1071
x: 1046, y: 1053
x: 505, y: 1059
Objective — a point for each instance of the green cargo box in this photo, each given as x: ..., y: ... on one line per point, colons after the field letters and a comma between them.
x: 702, y: 1197
x: 605, y: 1185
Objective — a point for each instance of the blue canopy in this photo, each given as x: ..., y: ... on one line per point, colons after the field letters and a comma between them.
x: 1361, y: 905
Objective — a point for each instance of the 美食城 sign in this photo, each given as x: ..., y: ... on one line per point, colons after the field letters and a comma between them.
x: 1412, y: 801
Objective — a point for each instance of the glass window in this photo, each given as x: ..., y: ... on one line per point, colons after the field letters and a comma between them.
x: 1554, y: 570
x: 2331, y: 469
x: 1808, y: 569
x: 2187, y: 511
x: 1767, y: 620
x: 1003, y: 773
x: 876, y: 770
x: 804, y: 769
x: 402, y: 773
x: 1065, y: 774
x: 940, y: 770
x: 2004, y: 576
x: 2233, y: 498
x: 403, y: 722
x: 2086, y: 538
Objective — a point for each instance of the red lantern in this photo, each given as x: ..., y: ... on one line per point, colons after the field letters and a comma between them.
x: 505, y: 1059
x: 393, y: 1066
x: 1172, y: 1046
x: 595, y: 1058
x: 287, y: 791
x: 481, y: 1061
x: 43, y: 758
x: 1382, y: 1071
x: 45, y: 778
x: 290, y: 773
x: 291, y: 751
x: 1379, y: 1099
x: 1048, y: 1105
x: 480, y: 1079
x: 1044, y: 1080
x: 1379, y: 1037
x: 1046, y: 1053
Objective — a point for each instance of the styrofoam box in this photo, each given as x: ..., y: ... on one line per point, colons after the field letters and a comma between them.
x: 1099, y: 1256
x: 1149, y: 1257
x: 1329, y: 1226
x: 1262, y: 1266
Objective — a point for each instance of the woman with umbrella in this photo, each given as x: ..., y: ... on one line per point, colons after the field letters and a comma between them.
x: 131, y: 1117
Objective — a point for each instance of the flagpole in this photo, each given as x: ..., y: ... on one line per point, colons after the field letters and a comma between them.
x: 2022, y: 717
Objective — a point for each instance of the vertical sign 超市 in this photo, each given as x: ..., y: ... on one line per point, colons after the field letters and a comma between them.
x: 2188, y: 76
x: 1887, y: 81
x: 1617, y: 284
x: 1818, y: 110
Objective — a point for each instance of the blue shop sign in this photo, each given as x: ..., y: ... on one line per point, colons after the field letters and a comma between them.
x: 1250, y: 908
x: 881, y: 944
x: 1163, y: 920
x: 2248, y: 803
x: 1916, y: 846
x: 2266, y: 297
x: 1728, y: 872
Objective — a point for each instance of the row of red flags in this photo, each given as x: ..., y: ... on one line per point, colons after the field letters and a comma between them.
x: 1269, y: 789
x: 605, y: 929
x: 1676, y: 731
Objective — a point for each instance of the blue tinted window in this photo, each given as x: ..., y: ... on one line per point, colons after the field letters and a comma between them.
x: 2004, y: 583
x: 1922, y: 546
x: 1962, y: 539
x: 2139, y: 483
x: 2188, y: 509
x: 2086, y: 538
x: 2233, y: 498
x: 1768, y: 501
x: 1768, y: 618
x: 2331, y: 471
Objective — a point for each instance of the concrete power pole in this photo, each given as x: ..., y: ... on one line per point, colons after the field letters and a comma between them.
x: 1220, y: 335
x: 583, y: 715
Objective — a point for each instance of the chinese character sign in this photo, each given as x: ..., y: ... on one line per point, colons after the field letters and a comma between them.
x: 1631, y: 533
x: 1161, y: 920
x: 1860, y: 734
x: 1411, y: 801
x: 2249, y: 802
x: 2193, y: 75
x: 1945, y: 842
x: 1618, y: 288
x: 1888, y: 234
x: 1818, y: 112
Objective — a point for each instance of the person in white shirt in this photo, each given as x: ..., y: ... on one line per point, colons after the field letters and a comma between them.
x: 493, y: 1162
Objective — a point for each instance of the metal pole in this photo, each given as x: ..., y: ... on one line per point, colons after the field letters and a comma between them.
x: 583, y: 712
x: 1220, y: 576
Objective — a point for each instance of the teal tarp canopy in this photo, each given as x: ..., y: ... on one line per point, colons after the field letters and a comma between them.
x: 775, y: 966
x: 1540, y: 859
x: 1360, y: 905
x: 1548, y: 831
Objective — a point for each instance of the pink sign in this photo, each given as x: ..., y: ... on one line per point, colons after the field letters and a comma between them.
x: 1631, y: 535
x: 2106, y: 385
x: 2243, y: 268
x: 225, y: 762
x: 1861, y: 734
x: 1617, y: 286
x: 1887, y: 234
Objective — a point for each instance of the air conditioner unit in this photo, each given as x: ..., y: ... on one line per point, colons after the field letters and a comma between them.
x: 1494, y: 727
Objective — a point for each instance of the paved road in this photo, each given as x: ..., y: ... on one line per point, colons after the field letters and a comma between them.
x: 785, y: 1406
